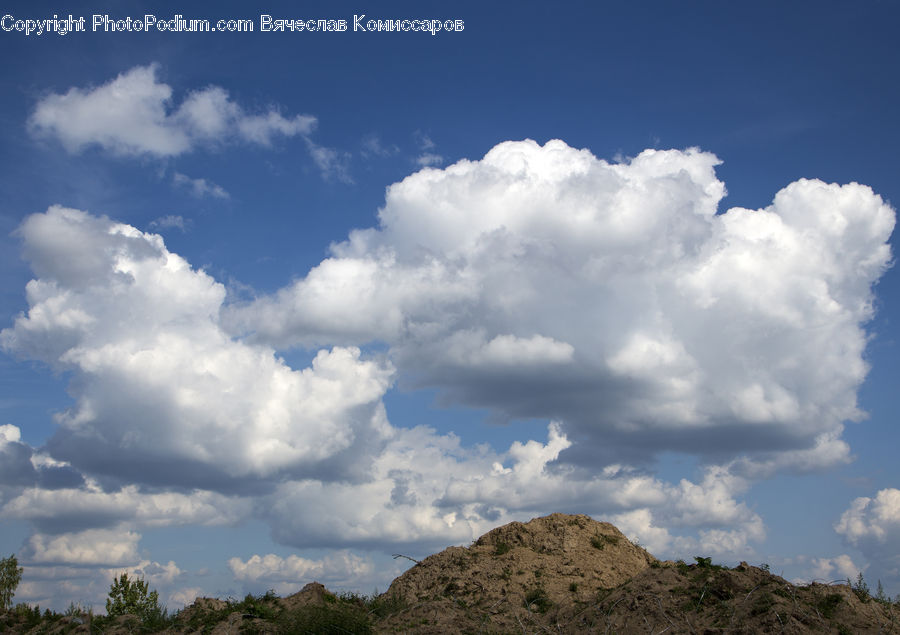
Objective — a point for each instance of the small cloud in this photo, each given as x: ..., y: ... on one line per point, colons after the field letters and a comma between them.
x: 331, y: 163
x: 372, y: 146
x: 10, y: 434
x: 424, y: 141
x: 200, y: 188
x: 170, y: 222
x: 429, y: 159
x: 131, y: 115
x: 261, y: 128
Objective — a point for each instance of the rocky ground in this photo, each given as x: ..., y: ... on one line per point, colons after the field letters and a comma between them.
x: 556, y: 574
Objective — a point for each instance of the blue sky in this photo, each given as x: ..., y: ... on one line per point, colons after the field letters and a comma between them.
x: 278, y: 305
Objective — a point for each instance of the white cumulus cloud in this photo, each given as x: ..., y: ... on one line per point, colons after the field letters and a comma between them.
x: 107, y: 547
x: 162, y: 392
x: 873, y: 526
x: 840, y: 568
x: 619, y: 299
x: 876, y: 520
x: 62, y: 509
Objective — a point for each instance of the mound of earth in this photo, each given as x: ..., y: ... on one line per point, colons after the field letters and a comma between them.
x: 572, y: 574
x: 312, y: 609
x: 513, y: 572
x: 706, y: 598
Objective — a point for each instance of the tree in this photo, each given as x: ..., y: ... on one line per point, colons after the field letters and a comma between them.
x: 133, y: 597
x: 880, y: 595
x: 10, y: 576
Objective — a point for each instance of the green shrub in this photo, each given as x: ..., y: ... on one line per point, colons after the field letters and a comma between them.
x: 600, y: 541
x: 763, y: 603
x: 263, y: 606
x: 383, y: 605
x: 339, y: 617
x: 827, y: 605
x: 860, y: 588
x: 133, y: 597
x: 30, y: 615
x: 538, y: 599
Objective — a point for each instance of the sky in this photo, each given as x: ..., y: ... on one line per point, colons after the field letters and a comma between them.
x: 276, y: 305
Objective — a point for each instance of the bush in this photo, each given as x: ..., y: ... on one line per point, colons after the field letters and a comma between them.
x: 599, y: 541
x: 30, y: 615
x: 861, y: 589
x: 381, y: 605
x: 133, y: 597
x: 264, y: 607
x: 331, y: 618
x: 538, y: 599
x: 828, y: 605
x: 10, y: 576
x: 881, y: 596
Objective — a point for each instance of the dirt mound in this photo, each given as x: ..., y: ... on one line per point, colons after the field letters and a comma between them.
x: 706, y: 598
x: 313, y: 594
x: 571, y: 574
x: 514, y: 572
x: 265, y: 614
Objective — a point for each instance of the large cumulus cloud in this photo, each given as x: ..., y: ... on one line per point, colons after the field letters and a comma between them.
x: 163, y: 395
x: 542, y: 282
